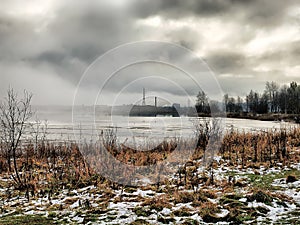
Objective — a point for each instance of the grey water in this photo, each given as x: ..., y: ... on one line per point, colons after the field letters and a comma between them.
x: 65, y: 124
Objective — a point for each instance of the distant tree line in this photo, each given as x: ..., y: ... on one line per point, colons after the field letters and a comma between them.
x: 202, y: 103
x: 274, y: 99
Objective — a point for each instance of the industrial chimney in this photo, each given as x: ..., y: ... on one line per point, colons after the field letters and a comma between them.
x: 144, y: 97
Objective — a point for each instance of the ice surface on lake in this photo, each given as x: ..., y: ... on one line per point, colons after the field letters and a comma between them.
x: 62, y: 125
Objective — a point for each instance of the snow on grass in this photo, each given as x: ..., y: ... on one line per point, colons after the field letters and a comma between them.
x: 78, y: 219
x: 142, y: 193
x: 180, y: 205
x: 166, y: 211
x: 120, y: 209
x: 223, y: 213
x: 243, y: 200
x: 75, y: 204
x: 276, y: 211
x: 123, y: 211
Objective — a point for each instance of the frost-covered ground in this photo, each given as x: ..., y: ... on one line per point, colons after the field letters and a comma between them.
x: 238, y: 196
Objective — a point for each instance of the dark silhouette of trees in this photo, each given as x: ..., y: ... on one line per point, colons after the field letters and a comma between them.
x: 263, y: 104
x: 202, y: 103
x: 282, y: 99
x: 289, y: 99
x: 272, y: 94
x: 239, y: 104
x: 232, y: 105
x: 274, y: 99
x: 253, y: 101
x: 293, y: 98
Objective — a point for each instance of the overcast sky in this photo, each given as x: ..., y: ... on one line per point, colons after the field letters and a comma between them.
x: 46, y: 46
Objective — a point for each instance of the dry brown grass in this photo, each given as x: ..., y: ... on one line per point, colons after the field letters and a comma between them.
x: 158, y: 202
x: 261, y: 148
x: 51, y: 166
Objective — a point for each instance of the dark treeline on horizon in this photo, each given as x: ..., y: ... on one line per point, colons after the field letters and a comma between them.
x: 275, y: 98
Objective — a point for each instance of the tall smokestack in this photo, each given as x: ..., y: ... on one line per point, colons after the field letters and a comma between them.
x: 144, y: 97
x: 155, y: 101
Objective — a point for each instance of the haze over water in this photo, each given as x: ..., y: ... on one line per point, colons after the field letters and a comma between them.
x: 60, y: 126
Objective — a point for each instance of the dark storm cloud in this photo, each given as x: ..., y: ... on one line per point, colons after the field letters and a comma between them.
x: 175, y: 8
x: 86, y: 30
x: 183, y: 36
x: 224, y: 62
x: 69, y: 43
x: 256, y: 12
x: 60, y: 47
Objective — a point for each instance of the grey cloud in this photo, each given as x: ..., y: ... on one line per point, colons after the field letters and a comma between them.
x: 226, y: 62
x: 294, y: 52
x: 52, y: 57
x: 289, y: 53
x: 81, y: 31
x: 255, y: 12
x: 263, y: 13
x: 14, y: 37
x: 175, y: 8
x: 184, y: 37
x: 86, y: 30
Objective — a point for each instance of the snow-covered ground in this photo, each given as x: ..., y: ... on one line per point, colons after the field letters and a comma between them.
x: 239, y: 200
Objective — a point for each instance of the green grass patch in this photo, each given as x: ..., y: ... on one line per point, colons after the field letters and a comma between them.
x: 182, y: 212
x: 190, y: 222
x: 265, y: 181
x: 140, y: 222
x: 90, y: 218
x: 142, y: 211
x: 26, y: 219
x: 244, y: 217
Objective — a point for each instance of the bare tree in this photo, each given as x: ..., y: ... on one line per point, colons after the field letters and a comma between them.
x: 272, y: 92
x: 15, y: 114
x: 202, y: 103
x: 39, y: 132
x: 209, y: 134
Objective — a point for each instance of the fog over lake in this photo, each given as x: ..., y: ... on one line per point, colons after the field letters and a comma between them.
x: 139, y: 129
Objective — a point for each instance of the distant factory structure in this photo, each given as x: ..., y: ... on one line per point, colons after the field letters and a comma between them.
x: 154, y: 110
x: 151, y: 108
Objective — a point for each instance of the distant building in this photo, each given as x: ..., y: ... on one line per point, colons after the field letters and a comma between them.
x: 176, y: 106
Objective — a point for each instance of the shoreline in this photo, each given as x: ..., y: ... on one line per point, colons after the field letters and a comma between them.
x: 294, y: 118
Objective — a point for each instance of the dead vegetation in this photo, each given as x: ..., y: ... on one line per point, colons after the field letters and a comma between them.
x: 52, y: 168
x: 46, y: 166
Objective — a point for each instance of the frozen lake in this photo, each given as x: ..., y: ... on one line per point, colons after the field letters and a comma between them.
x: 62, y: 125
